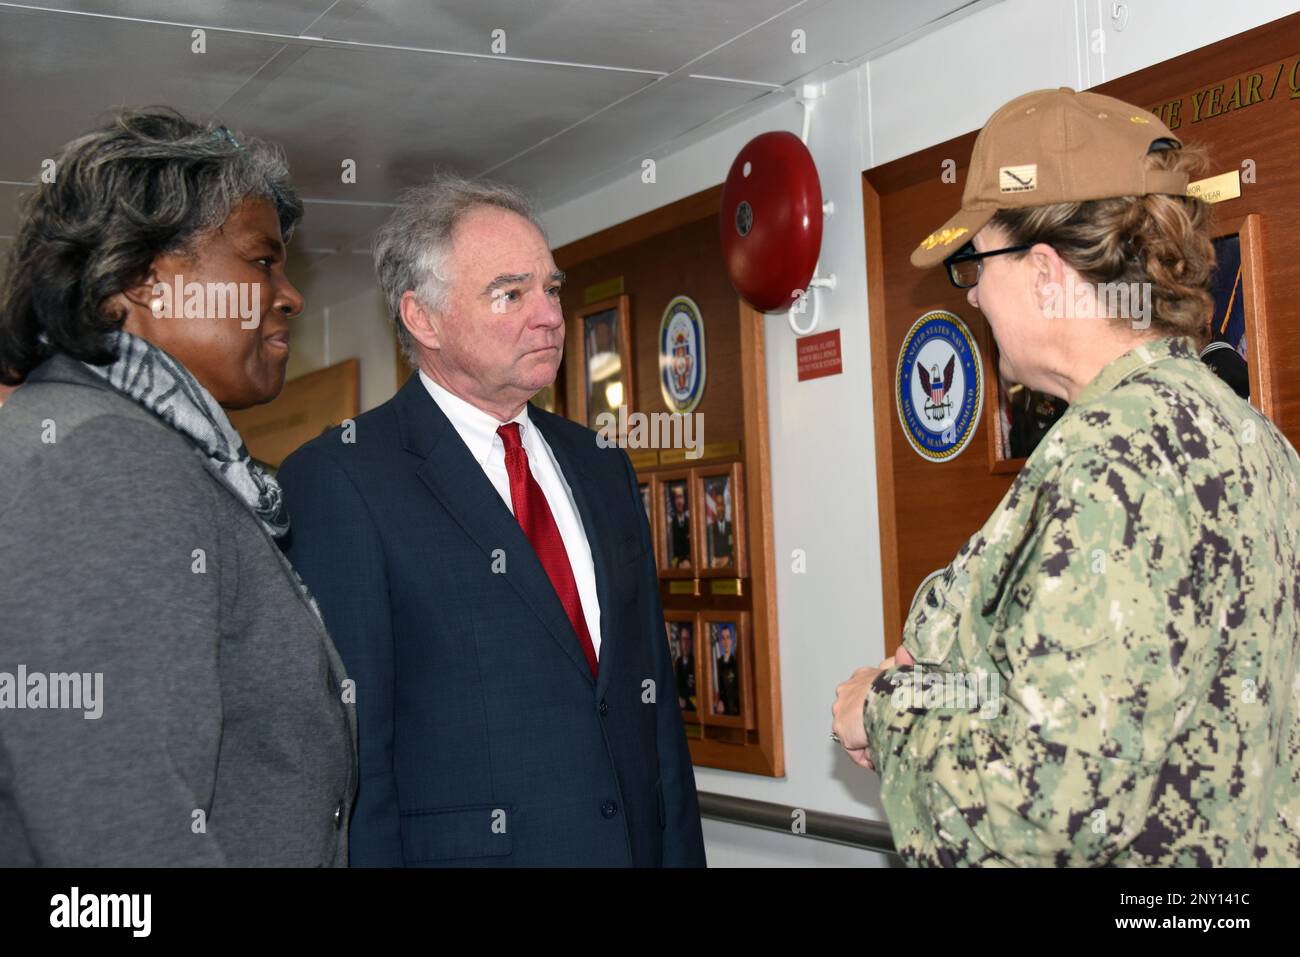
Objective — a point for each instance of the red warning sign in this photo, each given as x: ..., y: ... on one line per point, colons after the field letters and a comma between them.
x: 819, y: 355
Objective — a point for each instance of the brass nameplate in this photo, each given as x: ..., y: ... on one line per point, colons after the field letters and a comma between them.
x: 603, y: 290
x: 683, y: 586
x: 1215, y: 189
x: 726, y: 586
x: 710, y: 450
x: 721, y: 450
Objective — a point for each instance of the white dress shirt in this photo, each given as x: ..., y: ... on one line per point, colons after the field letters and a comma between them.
x: 478, y: 430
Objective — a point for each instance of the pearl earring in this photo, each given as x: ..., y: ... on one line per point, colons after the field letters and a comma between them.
x: 157, y: 307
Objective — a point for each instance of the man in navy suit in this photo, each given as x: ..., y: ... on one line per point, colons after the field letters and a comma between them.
x: 486, y: 571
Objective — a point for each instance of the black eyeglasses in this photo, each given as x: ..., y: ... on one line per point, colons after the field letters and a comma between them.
x: 964, y: 266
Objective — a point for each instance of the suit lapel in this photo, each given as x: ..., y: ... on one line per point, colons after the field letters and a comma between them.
x: 449, y: 471
x: 595, y: 523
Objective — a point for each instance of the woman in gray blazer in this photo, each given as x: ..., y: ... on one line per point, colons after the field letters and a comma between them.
x: 168, y: 694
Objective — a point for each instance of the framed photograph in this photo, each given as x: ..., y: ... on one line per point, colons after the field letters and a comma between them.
x: 646, y: 489
x: 999, y: 408
x: 677, y: 539
x: 602, y: 359
x: 726, y: 675
x: 1236, y: 347
x: 720, y: 494
x: 649, y: 489
x: 683, y: 630
x: 1026, y: 417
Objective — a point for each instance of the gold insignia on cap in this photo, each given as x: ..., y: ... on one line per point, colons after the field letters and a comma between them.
x: 943, y: 237
x: 1139, y: 119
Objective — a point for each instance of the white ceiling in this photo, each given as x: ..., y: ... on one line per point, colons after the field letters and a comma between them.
x: 586, y: 89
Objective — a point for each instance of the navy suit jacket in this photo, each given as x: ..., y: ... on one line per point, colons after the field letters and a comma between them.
x: 484, y: 738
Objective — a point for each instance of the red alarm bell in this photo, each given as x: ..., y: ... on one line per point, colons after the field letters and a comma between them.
x: 771, y: 221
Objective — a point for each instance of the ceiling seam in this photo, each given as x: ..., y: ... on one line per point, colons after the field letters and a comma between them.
x: 637, y: 92
x: 291, y: 39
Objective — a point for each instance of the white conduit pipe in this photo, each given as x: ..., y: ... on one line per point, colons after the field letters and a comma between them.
x: 810, y: 93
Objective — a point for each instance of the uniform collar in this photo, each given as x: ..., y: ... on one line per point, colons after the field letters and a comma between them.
x: 1117, y: 370
x: 477, y: 429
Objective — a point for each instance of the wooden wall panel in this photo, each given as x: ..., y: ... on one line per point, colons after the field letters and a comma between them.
x: 928, y: 510
x: 306, y: 407
x: 683, y: 260
x: 675, y: 251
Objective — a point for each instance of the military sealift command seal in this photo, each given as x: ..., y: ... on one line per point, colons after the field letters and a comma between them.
x: 938, y: 386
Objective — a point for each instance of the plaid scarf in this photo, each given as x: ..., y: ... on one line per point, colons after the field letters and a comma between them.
x: 162, y: 385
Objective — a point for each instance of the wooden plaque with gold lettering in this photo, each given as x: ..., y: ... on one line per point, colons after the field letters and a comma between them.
x: 1240, y: 97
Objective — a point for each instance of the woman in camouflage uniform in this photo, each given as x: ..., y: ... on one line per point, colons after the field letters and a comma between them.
x: 1129, y: 616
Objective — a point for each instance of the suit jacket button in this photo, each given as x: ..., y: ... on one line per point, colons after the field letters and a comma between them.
x: 604, y: 709
x: 608, y: 809
x: 338, y: 815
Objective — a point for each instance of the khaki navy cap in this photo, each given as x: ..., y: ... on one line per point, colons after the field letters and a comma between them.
x: 1054, y: 146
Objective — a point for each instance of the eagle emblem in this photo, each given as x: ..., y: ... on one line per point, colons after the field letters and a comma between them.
x: 938, y: 386
x: 938, y: 405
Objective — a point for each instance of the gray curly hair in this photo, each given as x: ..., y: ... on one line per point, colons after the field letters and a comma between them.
x: 148, y: 182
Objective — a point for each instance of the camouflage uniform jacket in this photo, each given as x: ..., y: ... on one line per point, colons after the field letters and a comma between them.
x: 1132, y: 611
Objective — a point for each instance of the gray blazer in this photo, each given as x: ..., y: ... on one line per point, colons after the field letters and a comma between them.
x: 224, y: 737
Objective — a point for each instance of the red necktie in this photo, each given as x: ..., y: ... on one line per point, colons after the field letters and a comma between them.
x: 538, y: 523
